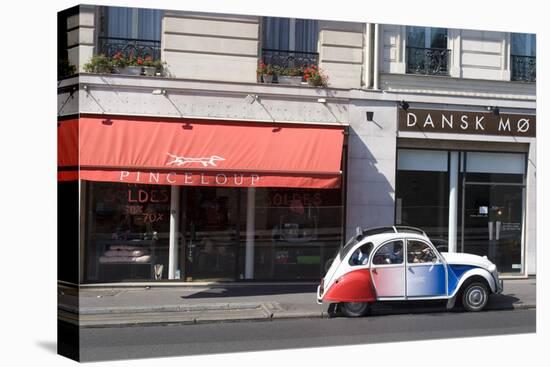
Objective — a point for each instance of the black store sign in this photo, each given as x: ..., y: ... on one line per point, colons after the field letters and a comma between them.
x: 479, y: 123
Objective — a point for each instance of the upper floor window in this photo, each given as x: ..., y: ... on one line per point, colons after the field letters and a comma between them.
x: 427, y: 51
x: 289, y: 42
x: 131, y: 31
x: 523, y: 57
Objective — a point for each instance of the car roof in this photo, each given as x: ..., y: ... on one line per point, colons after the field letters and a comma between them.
x: 380, y: 235
x: 383, y: 237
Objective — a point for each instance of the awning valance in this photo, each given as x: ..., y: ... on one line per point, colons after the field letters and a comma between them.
x: 197, y: 152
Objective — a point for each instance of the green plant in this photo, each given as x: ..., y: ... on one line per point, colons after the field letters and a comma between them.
x: 315, y: 76
x: 99, y: 64
x: 292, y: 71
x: 65, y: 69
x: 104, y: 64
x: 148, y: 61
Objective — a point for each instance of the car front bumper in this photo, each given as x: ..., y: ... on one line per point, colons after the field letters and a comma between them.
x: 319, y: 299
x: 499, y: 284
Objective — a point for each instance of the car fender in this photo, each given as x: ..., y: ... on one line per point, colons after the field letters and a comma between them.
x: 354, y: 286
x: 475, y: 272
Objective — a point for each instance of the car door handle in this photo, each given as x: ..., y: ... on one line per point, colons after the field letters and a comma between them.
x: 411, y: 270
x: 374, y: 271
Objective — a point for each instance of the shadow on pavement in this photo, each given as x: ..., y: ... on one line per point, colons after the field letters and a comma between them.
x: 253, y: 290
x: 496, y: 302
x: 502, y: 301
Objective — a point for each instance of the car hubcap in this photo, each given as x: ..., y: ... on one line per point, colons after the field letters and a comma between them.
x: 476, y: 297
x: 355, y: 306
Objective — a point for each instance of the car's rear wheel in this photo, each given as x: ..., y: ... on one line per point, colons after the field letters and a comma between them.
x: 354, y: 309
x: 475, y: 296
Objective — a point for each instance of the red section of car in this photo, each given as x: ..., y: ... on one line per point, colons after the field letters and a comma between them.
x: 355, y: 286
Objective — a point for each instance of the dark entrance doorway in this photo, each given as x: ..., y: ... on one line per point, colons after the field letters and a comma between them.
x: 212, y: 233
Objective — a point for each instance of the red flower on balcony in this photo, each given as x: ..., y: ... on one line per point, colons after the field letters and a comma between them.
x: 315, y: 76
x: 139, y: 61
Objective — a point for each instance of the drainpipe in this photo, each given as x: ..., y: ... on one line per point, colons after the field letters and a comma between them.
x: 453, y: 200
x: 376, y: 83
x: 173, y: 242
x: 368, y: 56
x: 250, y: 231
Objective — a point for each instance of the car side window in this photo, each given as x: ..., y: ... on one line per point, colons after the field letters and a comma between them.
x: 361, y: 255
x: 419, y: 252
x: 390, y: 253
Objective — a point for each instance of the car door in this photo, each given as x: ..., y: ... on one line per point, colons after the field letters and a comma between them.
x: 388, y: 270
x: 426, y: 271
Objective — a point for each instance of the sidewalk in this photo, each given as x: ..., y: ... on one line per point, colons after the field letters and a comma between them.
x: 190, y: 304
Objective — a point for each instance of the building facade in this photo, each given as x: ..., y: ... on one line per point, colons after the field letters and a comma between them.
x: 204, y: 171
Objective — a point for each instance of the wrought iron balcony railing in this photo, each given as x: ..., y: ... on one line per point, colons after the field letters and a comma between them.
x: 429, y: 61
x: 524, y: 68
x: 289, y: 58
x: 129, y: 47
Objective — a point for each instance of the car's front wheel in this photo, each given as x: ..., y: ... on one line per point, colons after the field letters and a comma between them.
x: 475, y: 296
x: 354, y: 309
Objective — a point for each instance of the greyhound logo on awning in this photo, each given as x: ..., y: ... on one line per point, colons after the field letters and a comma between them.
x: 182, y: 161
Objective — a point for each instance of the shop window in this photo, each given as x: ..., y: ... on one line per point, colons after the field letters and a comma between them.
x: 493, y: 190
x: 297, y: 232
x: 67, y: 231
x: 289, y: 42
x: 128, y: 232
x: 523, y: 57
x: 422, y: 192
x: 426, y: 51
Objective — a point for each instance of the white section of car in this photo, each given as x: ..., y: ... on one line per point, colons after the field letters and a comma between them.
x: 454, y: 258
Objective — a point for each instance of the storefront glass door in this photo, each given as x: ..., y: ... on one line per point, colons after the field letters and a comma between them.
x: 211, y: 227
x: 493, y: 224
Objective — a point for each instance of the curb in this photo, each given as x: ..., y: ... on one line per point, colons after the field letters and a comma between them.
x: 165, y: 308
x: 269, y: 315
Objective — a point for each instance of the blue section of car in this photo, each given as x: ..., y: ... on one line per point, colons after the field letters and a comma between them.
x: 426, y: 280
x: 455, y: 272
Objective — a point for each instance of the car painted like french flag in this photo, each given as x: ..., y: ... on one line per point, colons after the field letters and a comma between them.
x: 400, y: 263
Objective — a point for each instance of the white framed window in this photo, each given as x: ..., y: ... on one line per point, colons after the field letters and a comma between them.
x: 426, y: 37
x: 290, y: 34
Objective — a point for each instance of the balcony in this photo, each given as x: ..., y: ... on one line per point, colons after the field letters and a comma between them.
x: 285, y: 59
x: 129, y: 47
x: 428, y: 61
x: 524, y: 68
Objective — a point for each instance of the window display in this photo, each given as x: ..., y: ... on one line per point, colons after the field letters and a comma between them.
x: 128, y: 228
x: 297, y: 232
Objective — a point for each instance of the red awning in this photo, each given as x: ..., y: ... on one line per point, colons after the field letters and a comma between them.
x: 209, y: 153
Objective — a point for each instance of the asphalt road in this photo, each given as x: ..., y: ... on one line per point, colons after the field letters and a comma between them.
x: 176, y: 340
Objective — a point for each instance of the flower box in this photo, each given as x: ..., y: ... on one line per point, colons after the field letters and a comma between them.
x: 291, y: 80
x: 131, y: 70
x: 149, y: 70
x: 267, y: 78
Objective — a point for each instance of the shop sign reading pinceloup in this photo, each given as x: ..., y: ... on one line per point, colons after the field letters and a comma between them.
x: 200, y: 153
x: 461, y: 122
